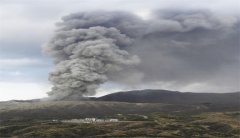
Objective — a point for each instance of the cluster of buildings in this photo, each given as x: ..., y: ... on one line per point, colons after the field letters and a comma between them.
x: 90, y: 120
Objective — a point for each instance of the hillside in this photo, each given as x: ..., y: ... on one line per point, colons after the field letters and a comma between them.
x: 204, y: 125
x: 172, y: 97
x: 144, y: 101
x: 78, y: 109
x: 145, y: 113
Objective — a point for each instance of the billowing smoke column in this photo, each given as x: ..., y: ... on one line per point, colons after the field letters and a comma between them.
x: 85, y: 56
x: 181, y: 50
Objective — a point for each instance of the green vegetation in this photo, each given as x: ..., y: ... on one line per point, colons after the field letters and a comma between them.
x: 48, y: 129
x: 207, y: 125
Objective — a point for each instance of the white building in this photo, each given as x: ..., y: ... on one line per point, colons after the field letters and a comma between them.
x: 90, y: 120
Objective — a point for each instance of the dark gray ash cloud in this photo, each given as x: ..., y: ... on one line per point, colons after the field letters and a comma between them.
x: 85, y: 56
x: 183, y: 47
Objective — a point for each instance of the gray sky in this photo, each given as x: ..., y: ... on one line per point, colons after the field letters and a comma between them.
x: 26, y: 25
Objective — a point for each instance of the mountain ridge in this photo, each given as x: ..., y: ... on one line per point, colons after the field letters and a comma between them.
x: 133, y: 102
x: 171, y: 97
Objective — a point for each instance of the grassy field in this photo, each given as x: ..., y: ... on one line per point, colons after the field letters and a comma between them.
x: 209, y: 125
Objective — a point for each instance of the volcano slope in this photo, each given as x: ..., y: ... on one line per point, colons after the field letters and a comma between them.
x: 162, y: 113
x: 132, y: 102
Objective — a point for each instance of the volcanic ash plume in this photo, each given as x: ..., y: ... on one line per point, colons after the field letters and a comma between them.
x: 84, y: 59
x: 178, y: 49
